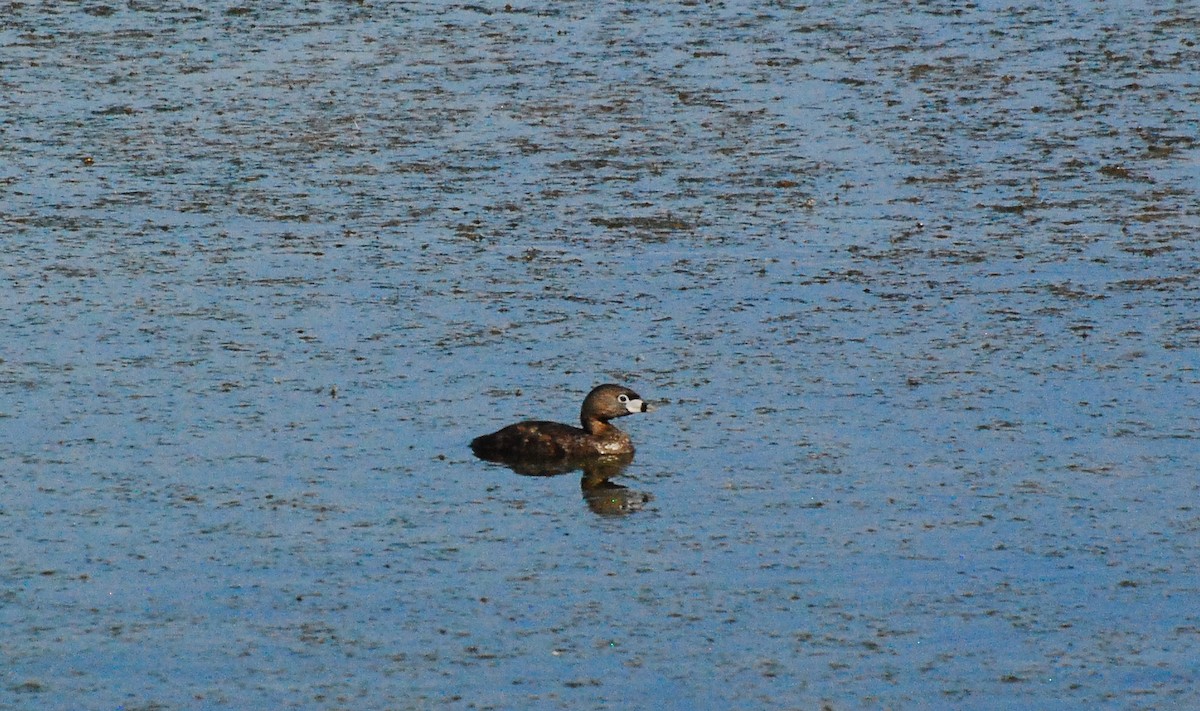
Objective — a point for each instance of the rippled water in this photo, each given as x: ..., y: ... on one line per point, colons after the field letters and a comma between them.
x: 916, y: 288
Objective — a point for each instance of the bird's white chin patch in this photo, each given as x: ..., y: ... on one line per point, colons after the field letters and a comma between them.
x: 637, y: 406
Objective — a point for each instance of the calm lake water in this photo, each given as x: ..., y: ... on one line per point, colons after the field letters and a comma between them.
x: 916, y: 287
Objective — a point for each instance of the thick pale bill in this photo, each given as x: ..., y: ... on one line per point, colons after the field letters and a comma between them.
x: 636, y: 405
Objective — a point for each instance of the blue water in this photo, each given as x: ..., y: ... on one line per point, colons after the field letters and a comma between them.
x: 915, y: 287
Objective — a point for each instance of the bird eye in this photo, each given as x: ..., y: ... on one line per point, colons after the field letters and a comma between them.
x: 622, y: 398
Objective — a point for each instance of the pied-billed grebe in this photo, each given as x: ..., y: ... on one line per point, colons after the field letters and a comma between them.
x: 540, y: 440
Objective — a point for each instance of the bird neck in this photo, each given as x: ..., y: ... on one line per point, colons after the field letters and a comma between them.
x: 597, y: 427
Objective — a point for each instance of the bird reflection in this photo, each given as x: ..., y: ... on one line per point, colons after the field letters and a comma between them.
x: 606, y: 498
x: 602, y: 496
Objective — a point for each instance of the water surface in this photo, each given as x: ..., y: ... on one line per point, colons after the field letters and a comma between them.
x: 916, y: 288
